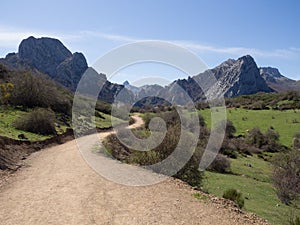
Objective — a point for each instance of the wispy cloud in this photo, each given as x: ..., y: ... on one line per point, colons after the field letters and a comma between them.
x: 11, y: 38
x: 237, y: 51
x: 203, y: 48
x: 112, y: 37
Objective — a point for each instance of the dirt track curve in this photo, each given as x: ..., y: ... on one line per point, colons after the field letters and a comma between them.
x: 58, y: 187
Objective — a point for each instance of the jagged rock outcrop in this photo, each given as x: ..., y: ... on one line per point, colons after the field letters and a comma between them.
x: 233, y: 78
x: 51, y: 57
x: 277, y: 81
x: 238, y: 77
x: 69, y: 72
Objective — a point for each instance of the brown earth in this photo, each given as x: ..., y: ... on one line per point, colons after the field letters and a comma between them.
x: 57, y: 186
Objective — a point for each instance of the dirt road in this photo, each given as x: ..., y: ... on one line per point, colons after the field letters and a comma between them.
x: 58, y: 187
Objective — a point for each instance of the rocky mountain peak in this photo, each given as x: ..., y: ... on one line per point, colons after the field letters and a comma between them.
x: 270, y: 71
x: 51, y: 57
x: 126, y: 83
x: 45, y: 54
x: 237, y: 77
x: 277, y: 81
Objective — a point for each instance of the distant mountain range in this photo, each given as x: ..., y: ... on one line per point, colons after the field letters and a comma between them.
x: 234, y: 77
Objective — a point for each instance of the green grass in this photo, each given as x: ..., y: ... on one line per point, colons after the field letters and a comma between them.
x: 103, y: 123
x: 200, y: 196
x: 7, y: 118
x: 282, y: 121
x: 255, y: 184
x: 8, y: 115
x: 260, y: 170
x: 106, y: 121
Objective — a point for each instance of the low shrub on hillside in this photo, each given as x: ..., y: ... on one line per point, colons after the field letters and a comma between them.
x: 268, y: 142
x: 220, y: 164
x: 294, y: 220
x: 234, y: 195
x: 286, y: 176
x: 189, y: 173
x: 38, y: 91
x: 39, y: 121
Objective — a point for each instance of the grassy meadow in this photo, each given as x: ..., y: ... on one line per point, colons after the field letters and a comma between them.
x: 255, y: 181
x: 286, y: 122
x: 9, y: 115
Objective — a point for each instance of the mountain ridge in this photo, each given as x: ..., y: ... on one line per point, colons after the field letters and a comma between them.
x: 234, y: 77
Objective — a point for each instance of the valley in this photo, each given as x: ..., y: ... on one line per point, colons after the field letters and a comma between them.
x: 253, y: 178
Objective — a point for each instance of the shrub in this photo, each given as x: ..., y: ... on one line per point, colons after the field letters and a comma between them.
x: 230, y: 153
x: 189, y: 173
x: 294, y: 220
x: 297, y: 135
x: 39, y: 121
x: 255, y: 137
x: 286, y: 176
x: 229, y: 128
x: 38, y: 91
x: 234, y: 195
x: 221, y: 164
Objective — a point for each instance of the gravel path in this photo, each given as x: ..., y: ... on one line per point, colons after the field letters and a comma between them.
x: 58, y: 187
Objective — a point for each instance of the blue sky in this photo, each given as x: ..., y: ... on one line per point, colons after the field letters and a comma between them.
x: 214, y: 30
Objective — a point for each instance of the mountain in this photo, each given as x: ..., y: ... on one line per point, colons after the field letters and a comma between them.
x: 135, y: 90
x: 234, y: 77
x: 238, y: 77
x: 277, y: 81
x: 50, y: 57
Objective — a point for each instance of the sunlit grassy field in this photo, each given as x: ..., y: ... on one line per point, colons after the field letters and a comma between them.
x: 255, y: 182
x: 7, y: 118
x: 286, y: 123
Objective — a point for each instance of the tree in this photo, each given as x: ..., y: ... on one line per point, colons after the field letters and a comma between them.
x: 286, y: 176
x: 5, y: 92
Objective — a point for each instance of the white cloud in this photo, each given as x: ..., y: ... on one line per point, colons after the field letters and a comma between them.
x: 237, y: 51
x: 112, y: 37
x: 11, y: 37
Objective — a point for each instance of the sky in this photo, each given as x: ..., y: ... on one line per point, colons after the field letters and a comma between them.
x: 213, y: 30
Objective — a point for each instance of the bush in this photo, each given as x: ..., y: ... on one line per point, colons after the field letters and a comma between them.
x: 271, y: 136
x: 255, y: 137
x: 294, y: 220
x: 230, y: 153
x: 38, y: 91
x: 234, y: 195
x: 286, y: 176
x: 189, y: 173
x: 221, y: 164
x: 39, y: 121
x: 296, y: 141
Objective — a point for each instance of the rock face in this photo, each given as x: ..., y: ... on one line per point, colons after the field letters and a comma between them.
x: 277, y: 81
x: 238, y: 77
x: 69, y: 72
x: 51, y: 57
x: 234, y: 77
